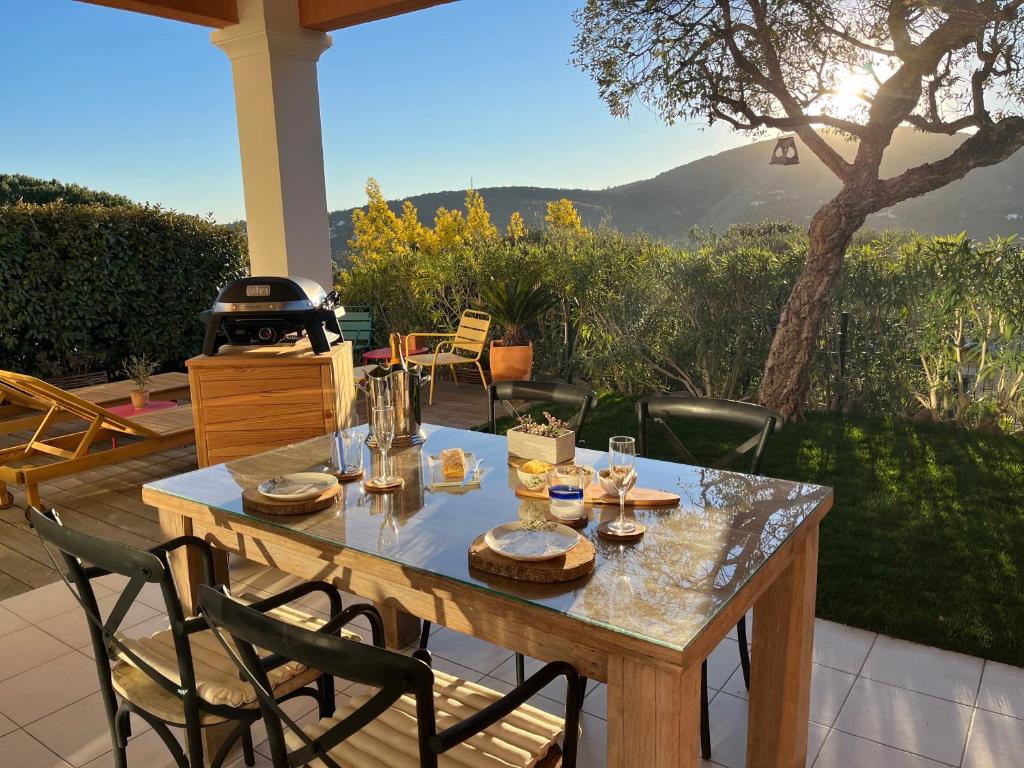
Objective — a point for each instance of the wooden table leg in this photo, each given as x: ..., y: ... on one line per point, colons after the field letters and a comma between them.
x: 653, y: 715
x: 400, y: 628
x: 187, y: 568
x: 780, y: 665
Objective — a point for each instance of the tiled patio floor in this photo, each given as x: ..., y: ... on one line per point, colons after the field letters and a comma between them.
x: 876, y: 702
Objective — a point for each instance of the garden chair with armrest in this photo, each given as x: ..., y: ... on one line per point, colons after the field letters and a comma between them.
x: 469, y: 338
x: 412, y: 712
x: 181, y: 676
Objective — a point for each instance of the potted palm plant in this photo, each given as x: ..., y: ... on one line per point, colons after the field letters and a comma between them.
x: 514, y: 305
x: 140, y: 369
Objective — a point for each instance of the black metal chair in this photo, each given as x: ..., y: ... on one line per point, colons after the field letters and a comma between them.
x: 180, y: 677
x: 764, y: 422
x: 413, y: 711
x: 581, y: 398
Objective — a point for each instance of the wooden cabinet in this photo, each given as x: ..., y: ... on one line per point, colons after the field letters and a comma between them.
x: 250, y: 399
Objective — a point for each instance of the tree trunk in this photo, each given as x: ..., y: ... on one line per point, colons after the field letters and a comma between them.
x: 786, y: 380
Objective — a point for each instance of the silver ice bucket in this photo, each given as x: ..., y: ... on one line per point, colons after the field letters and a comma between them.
x: 399, y: 386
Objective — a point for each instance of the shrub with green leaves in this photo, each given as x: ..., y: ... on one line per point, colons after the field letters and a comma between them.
x: 935, y: 324
x: 104, y: 283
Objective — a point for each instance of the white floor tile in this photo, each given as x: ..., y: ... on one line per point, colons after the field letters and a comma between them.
x: 722, y: 663
x: 456, y: 670
x: 996, y: 740
x: 593, y: 745
x: 46, y: 602
x: 1002, y: 689
x: 596, y: 703
x: 10, y: 622
x: 145, y: 751
x: 829, y: 689
x: 728, y: 716
x: 79, y: 732
x: 913, y: 722
x: 468, y: 651
x: 41, y: 691
x: 841, y: 647
x: 924, y: 669
x: 21, y: 750
x: 26, y: 649
x: 72, y: 628
x: 841, y: 750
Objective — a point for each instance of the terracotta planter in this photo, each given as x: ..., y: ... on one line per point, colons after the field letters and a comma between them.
x: 140, y: 398
x: 553, y: 450
x: 511, y: 363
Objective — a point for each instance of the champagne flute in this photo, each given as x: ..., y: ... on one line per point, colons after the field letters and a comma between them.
x: 622, y: 473
x: 383, y: 434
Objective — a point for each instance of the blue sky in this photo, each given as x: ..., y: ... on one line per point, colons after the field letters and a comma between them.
x: 478, y: 89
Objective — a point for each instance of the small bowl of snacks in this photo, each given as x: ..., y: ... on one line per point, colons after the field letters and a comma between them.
x: 533, y: 474
x: 609, y: 486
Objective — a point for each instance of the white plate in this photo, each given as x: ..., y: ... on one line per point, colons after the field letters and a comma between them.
x: 437, y: 478
x: 518, y: 543
x: 297, y: 486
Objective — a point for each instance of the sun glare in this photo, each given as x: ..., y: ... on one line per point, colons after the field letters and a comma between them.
x: 848, y: 97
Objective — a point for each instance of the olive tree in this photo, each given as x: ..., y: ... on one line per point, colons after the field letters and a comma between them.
x: 940, y: 66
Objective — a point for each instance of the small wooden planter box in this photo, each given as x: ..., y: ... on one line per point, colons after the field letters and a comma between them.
x: 553, y: 450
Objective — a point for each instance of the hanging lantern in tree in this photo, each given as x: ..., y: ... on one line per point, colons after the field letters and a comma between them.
x: 785, y: 152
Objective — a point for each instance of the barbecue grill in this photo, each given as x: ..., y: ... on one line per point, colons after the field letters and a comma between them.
x: 272, y: 310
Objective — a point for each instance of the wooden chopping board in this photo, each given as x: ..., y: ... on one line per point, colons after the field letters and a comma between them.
x: 254, y: 501
x: 594, y: 494
x: 577, y: 562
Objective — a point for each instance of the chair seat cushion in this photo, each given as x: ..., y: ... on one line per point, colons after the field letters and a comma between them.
x: 443, y: 358
x: 521, y: 740
x: 217, y: 676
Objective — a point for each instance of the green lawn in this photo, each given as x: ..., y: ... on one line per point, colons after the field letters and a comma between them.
x: 926, y: 538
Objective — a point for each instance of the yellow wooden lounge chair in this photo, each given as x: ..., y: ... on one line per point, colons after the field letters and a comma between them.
x: 469, y: 338
x: 44, y: 458
x: 162, y: 386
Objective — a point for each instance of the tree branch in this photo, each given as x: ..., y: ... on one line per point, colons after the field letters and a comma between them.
x: 990, y: 145
x: 774, y: 84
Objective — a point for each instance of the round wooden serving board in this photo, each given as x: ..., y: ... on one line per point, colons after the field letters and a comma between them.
x: 254, y: 501
x: 577, y: 562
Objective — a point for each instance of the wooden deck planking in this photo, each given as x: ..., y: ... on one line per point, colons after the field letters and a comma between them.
x: 107, y: 501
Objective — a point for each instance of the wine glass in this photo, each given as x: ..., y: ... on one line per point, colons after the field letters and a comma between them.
x: 383, y: 434
x: 622, y: 473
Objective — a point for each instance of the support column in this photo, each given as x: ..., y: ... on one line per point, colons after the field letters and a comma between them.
x: 273, y: 61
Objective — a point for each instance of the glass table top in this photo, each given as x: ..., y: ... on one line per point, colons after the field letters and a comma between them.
x: 663, y: 588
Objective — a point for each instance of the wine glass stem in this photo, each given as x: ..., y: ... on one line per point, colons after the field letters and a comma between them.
x: 622, y: 509
x: 383, y: 464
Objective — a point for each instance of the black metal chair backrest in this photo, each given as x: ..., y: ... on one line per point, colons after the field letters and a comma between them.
x: 763, y: 421
x: 88, y: 557
x: 393, y: 673
x: 581, y: 398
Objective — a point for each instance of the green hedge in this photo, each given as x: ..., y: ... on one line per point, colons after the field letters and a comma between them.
x: 648, y: 315
x: 17, y: 188
x: 84, y: 286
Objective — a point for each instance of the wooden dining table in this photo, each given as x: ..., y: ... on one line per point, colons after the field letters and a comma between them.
x: 643, y: 622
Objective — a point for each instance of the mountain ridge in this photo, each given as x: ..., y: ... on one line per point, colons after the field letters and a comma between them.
x: 739, y: 185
